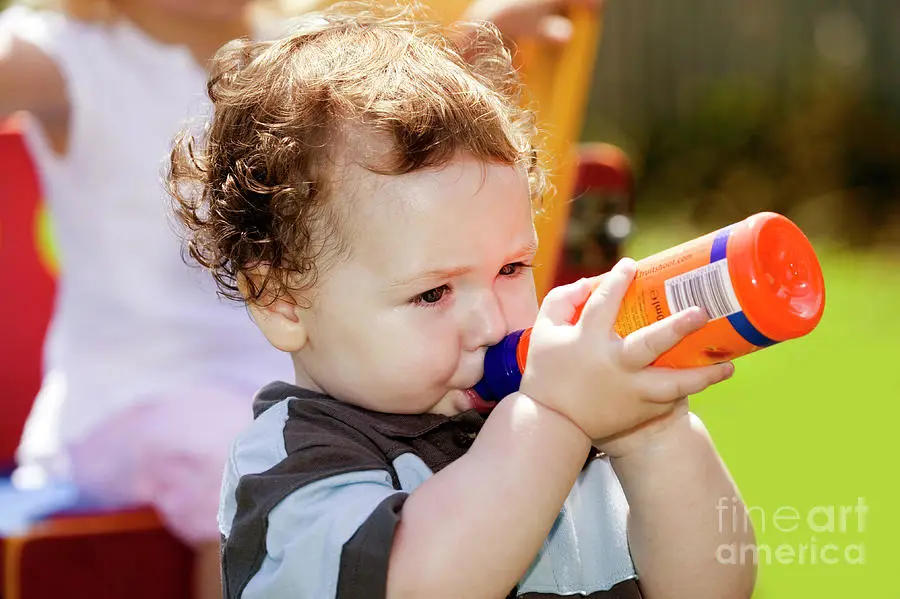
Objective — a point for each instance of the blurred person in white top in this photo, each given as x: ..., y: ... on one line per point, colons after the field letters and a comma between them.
x: 147, y: 371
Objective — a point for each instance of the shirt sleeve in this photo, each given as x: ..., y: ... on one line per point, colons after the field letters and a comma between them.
x: 318, y: 524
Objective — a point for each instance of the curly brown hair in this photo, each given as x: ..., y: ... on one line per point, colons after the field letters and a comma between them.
x: 251, y: 192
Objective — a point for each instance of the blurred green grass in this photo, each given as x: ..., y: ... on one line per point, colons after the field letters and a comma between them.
x: 810, y: 425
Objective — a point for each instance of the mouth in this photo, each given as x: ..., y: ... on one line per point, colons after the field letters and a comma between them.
x: 480, y: 405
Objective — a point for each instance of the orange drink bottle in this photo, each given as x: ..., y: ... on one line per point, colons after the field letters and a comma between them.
x: 759, y: 280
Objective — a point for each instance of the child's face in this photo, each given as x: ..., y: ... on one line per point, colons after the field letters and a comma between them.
x: 435, y: 275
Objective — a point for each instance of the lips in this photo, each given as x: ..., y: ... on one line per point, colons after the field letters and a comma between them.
x: 478, y: 403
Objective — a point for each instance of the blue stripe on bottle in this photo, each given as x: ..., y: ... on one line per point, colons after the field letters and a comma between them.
x: 720, y: 245
x: 738, y: 320
x: 749, y: 332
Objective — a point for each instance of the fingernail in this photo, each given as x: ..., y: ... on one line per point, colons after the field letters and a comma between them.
x: 729, y: 371
x: 627, y: 263
x: 702, y: 314
x: 695, y: 317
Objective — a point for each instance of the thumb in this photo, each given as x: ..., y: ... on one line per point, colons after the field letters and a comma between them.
x: 562, y: 303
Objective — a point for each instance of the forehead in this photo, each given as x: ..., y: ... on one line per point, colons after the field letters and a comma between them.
x: 458, y: 215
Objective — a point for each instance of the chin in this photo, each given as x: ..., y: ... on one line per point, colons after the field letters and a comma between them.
x: 452, y: 403
x: 459, y: 401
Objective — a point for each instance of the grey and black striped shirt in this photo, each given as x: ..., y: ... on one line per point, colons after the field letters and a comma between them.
x: 313, y: 491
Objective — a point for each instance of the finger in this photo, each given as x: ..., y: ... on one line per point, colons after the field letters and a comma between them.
x: 603, y: 305
x: 642, y: 347
x: 664, y: 385
x: 561, y: 303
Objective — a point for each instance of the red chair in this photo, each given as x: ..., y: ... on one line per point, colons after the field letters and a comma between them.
x: 125, y: 554
x: 74, y: 553
x: 27, y: 299
x: 601, y: 216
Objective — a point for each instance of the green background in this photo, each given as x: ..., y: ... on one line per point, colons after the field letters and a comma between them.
x: 810, y: 425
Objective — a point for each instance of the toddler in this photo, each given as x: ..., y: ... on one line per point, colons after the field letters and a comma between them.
x: 366, y: 185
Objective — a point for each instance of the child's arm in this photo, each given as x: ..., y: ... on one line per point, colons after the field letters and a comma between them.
x: 474, y: 528
x: 681, y: 496
x: 31, y: 81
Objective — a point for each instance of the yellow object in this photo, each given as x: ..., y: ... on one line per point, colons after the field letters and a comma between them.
x: 45, y: 241
x: 559, y: 79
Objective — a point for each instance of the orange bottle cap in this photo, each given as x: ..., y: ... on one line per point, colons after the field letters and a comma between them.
x: 776, y: 276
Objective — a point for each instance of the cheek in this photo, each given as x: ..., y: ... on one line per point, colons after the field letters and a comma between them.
x: 434, y: 344
x: 416, y: 351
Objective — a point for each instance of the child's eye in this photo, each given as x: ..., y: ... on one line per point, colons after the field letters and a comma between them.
x: 432, y: 296
x: 513, y: 268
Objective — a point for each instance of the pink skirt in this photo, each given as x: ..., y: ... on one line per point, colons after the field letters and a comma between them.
x: 169, y: 453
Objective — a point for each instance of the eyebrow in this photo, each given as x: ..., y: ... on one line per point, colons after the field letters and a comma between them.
x: 448, y: 273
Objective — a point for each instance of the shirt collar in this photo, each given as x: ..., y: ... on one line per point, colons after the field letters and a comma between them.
x: 392, y: 425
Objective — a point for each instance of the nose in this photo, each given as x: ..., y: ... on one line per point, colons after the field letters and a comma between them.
x: 485, y: 323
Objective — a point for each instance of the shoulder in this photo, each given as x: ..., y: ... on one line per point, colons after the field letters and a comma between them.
x: 310, y: 423
x: 53, y: 32
x: 312, y: 435
x: 306, y: 484
x: 302, y: 439
x: 24, y: 22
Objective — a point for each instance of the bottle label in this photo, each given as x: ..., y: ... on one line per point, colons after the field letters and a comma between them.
x: 692, y: 274
x: 708, y: 287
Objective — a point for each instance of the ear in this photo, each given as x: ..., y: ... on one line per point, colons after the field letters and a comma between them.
x: 279, y: 318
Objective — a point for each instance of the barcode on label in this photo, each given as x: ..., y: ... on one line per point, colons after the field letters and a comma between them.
x: 708, y: 287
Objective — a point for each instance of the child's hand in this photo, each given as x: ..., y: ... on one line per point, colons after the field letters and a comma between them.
x: 598, y: 380
x: 521, y: 19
